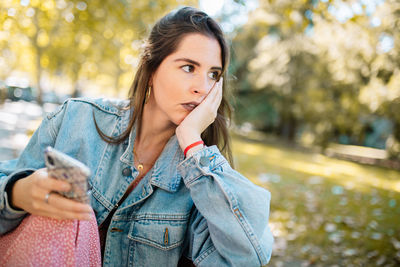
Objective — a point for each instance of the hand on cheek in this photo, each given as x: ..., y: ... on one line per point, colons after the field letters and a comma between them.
x: 190, y: 129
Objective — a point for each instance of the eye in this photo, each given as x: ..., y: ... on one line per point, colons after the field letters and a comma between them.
x: 188, y: 68
x: 214, y: 75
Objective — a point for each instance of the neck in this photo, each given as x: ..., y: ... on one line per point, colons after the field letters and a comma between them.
x: 155, y: 130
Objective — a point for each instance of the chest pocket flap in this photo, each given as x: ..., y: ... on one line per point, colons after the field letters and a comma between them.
x: 163, y: 233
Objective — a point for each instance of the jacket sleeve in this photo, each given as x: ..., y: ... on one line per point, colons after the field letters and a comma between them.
x: 229, y: 226
x: 30, y: 160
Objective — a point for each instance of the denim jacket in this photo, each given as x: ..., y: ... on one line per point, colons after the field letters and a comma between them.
x: 198, y: 207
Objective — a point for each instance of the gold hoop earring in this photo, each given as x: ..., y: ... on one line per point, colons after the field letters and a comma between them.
x: 148, y: 93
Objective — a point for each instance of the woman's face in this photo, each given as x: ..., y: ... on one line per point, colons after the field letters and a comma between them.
x: 185, y: 77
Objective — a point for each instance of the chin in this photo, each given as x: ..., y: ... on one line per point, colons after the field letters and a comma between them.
x: 177, y: 117
x: 178, y: 121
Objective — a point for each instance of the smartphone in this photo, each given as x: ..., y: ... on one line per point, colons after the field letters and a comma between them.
x: 63, y: 167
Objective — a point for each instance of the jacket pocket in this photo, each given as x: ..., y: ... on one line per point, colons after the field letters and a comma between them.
x: 164, y: 232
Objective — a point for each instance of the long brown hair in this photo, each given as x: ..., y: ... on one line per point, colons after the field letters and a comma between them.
x: 164, y: 39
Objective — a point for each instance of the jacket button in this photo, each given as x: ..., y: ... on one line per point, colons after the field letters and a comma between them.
x: 204, y: 161
x: 127, y: 171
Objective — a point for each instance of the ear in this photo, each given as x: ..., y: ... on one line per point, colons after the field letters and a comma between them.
x: 151, y: 80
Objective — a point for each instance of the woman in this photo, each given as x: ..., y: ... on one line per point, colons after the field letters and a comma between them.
x: 162, y: 192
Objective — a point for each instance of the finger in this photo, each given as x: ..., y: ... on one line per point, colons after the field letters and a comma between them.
x: 211, y: 94
x: 56, y: 201
x: 49, y: 210
x: 63, y: 215
x: 75, y: 210
x: 42, y: 199
x: 218, y: 86
x: 214, y: 89
x: 68, y: 205
x: 216, y: 100
x: 51, y: 184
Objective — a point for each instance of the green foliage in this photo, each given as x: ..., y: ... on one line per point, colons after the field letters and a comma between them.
x: 82, y: 42
x: 323, y: 77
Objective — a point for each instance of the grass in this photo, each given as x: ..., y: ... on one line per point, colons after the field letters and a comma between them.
x: 325, y: 211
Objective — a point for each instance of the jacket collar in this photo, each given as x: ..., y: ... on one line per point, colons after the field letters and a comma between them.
x: 165, y: 170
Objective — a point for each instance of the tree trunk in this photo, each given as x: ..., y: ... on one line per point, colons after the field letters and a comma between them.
x: 75, y: 75
x: 288, y: 123
x: 38, y: 76
x: 38, y: 52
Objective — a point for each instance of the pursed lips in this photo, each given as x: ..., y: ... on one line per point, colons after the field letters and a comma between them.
x: 190, y: 105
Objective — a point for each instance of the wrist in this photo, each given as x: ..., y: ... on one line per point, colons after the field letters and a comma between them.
x: 186, y: 138
x: 15, y: 192
x: 192, y: 148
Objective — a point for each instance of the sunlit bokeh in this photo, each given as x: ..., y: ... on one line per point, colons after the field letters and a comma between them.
x: 315, y: 88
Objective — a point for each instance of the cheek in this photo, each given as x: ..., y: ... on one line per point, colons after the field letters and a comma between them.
x: 169, y: 104
x: 167, y: 101
x: 169, y: 93
x: 169, y: 88
x: 163, y: 97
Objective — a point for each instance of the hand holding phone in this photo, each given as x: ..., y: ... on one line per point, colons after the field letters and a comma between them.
x: 66, y: 168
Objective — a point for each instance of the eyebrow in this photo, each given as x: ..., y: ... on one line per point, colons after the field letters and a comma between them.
x: 195, y: 63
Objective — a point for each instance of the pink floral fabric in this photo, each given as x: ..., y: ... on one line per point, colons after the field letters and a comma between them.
x: 42, y: 241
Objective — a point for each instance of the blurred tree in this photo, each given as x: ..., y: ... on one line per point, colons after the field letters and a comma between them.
x: 82, y: 41
x: 385, y: 81
x: 314, y: 74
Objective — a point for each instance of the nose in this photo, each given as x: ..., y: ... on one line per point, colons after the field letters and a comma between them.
x: 202, y: 85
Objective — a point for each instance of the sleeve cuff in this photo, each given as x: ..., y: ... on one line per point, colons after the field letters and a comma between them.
x: 201, y: 163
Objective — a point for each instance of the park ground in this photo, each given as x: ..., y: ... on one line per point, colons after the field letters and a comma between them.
x: 324, y: 211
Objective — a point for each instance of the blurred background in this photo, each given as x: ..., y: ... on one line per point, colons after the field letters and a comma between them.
x: 315, y: 86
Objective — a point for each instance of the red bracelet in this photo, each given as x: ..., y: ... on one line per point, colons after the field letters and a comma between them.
x: 192, y: 145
